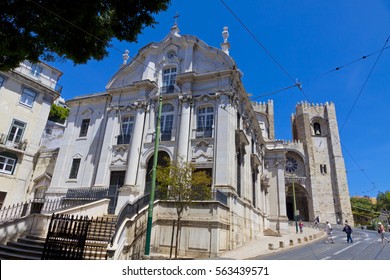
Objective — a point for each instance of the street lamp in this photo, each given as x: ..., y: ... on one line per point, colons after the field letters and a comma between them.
x: 153, y: 187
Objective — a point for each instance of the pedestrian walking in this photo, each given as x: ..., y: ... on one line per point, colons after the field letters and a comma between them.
x: 348, y: 230
x: 329, y: 230
x: 381, y: 231
x: 316, y: 221
x: 300, y: 226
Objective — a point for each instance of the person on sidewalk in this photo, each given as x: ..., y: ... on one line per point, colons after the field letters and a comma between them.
x: 348, y: 230
x: 300, y: 226
x: 328, y: 231
x: 381, y: 231
x: 316, y: 221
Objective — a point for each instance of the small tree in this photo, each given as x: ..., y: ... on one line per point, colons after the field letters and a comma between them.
x: 181, y: 182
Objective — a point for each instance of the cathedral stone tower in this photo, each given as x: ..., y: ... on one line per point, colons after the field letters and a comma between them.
x: 316, y: 127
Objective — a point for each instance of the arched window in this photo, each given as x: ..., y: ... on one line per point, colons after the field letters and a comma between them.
x: 317, y: 128
x: 162, y: 161
x: 166, y: 122
x: 205, y: 122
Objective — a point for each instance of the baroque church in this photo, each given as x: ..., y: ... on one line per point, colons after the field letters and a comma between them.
x: 209, y: 120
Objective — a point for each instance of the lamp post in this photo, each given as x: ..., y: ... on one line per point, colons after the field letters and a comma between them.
x: 153, y: 187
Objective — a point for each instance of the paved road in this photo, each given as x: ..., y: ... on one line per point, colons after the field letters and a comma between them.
x: 366, y: 246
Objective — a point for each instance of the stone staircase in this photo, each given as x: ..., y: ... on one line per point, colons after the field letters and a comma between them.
x: 25, y: 248
x: 99, y: 235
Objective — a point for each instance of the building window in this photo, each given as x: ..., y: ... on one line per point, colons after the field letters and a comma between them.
x: 254, y: 179
x: 205, y: 122
x: 16, y: 132
x: 28, y: 97
x: 126, y: 130
x: 84, y: 127
x: 2, y: 198
x: 7, y: 163
x: 1, y: 81
x: 166, y: 122
x: 317, y: 129
x: 40, y: 193
x: 323, y: 168
x: 36, y: 70
x: 75, y: 168
x: 168, y: 80
x: 238, y: 169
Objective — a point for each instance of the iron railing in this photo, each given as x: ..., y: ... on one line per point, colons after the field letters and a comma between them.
x: 66, y: 237
x: 130, y: 210
x: 21, y: 145
x: 73, y: 198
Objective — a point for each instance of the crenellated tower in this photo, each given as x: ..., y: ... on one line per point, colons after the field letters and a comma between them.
x: 315, y: 125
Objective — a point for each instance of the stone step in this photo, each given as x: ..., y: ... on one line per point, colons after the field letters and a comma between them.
x: 10, y: 252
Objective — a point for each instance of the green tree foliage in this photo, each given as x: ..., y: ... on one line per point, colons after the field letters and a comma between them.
x: 383, y: 201
x: 383, y: 204
x: 363, y: 210
x: 180, y: 182
x: 58, y: 113
x: 75, y: 30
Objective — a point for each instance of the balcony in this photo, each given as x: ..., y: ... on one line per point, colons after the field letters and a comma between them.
x: 167, y: 89
x: 40, y: 78
x: 166, y: 135
x: 124, y: 139
x: 21, y: 145
x: 204, y: 132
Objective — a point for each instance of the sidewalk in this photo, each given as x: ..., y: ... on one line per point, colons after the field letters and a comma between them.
x: 270, y: 244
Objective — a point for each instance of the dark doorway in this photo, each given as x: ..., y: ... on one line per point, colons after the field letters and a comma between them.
x: 162, y: 159
x: 301, y: 201
x: 116, y: 181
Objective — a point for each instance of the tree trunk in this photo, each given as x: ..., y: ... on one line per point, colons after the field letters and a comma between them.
x: 177, y: 236
x: 173, y: 235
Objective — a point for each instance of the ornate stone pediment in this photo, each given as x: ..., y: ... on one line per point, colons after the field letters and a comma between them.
x: 202, y: 152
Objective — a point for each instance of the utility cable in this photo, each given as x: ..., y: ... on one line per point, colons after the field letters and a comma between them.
x: 365, y: 82
x: 257, y: 41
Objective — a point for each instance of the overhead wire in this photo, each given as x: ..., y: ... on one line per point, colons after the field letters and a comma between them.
x: 258, y: 41
x: 365, y: 82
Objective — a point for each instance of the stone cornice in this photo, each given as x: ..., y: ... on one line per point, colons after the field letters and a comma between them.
x: 33, y: 84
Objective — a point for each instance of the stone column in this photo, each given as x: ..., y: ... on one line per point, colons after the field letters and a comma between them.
x: 152, y: 122
x: 135, y: 147
x: 281, y: 192
x: 185, y: 126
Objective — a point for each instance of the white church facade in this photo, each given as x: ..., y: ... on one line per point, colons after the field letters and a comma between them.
x: 209, y: 120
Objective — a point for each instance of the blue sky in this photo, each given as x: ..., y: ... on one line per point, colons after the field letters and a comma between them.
x: 282, y: 41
